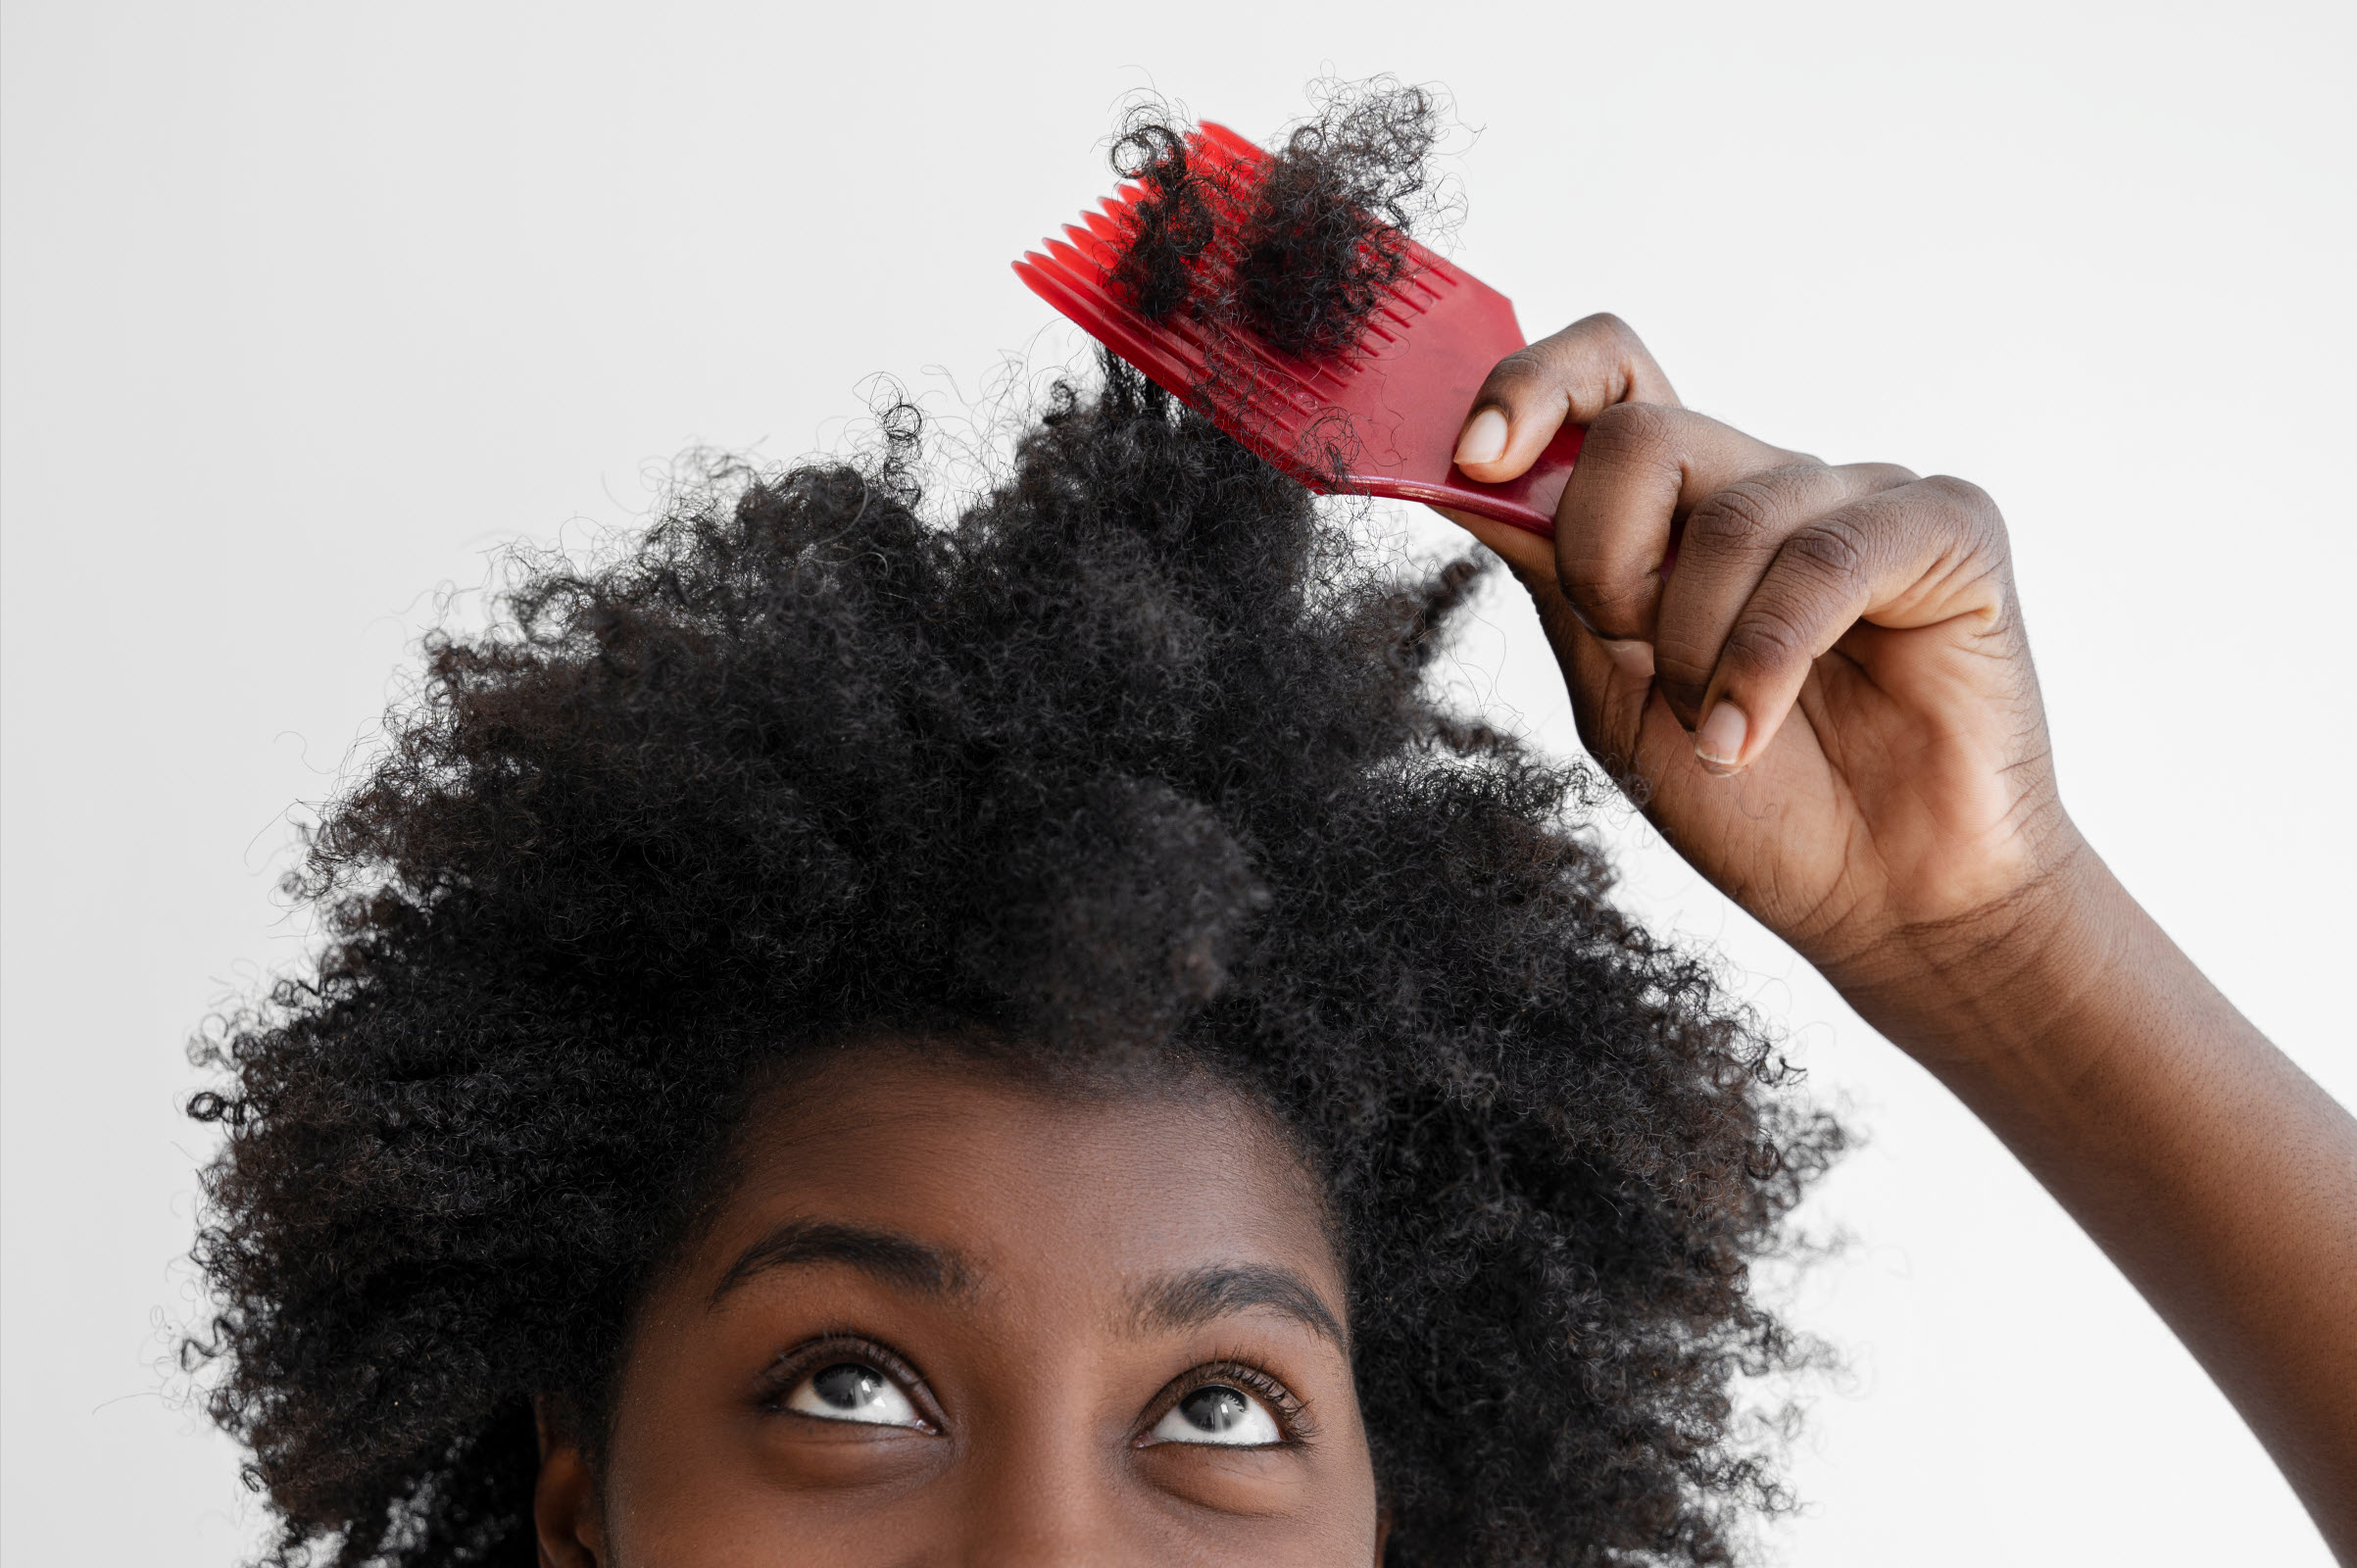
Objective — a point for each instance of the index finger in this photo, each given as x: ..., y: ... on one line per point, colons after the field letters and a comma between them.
x: 1570, y: 378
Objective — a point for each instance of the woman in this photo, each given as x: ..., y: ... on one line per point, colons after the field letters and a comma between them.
x: 1035, y: 1039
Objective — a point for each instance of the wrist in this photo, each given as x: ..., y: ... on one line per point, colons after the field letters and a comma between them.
x: 2000, y: 986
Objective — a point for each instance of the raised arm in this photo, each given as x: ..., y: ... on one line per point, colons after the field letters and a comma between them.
x: 1827, y: 705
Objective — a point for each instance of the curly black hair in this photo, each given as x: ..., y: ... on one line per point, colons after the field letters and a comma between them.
x: 1304, y: 250
x: 1136, y: 753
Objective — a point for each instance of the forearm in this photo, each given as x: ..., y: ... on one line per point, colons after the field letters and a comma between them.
x: 2219, y: 1177
x: 1826, y: 705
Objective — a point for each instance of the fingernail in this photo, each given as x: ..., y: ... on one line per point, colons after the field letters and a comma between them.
x: 1485, y: 438
x: 1633, y: 655
x: 1719, y: 739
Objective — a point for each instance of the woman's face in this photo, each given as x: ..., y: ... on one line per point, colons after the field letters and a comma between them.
x: 946, y: 1318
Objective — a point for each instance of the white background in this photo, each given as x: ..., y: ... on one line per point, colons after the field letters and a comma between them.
x: 309, y: 307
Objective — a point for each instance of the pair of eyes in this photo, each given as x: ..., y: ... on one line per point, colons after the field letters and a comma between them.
x: 1215, y: 1412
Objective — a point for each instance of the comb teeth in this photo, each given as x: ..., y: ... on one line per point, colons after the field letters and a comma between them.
x: 1379, y: 418
x: 1226, y: 372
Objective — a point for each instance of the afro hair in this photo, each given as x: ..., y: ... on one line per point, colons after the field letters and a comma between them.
x: 1134, y: 752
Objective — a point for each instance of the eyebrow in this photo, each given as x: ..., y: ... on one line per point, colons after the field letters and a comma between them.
x: 895, y: 1259
x: 1190, y: 1300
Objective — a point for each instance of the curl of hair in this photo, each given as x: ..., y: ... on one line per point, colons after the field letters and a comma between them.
x: 1302, y: 253
x: 1175, y: 219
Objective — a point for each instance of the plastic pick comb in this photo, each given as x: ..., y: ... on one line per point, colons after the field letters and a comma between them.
x: 1381, y: 418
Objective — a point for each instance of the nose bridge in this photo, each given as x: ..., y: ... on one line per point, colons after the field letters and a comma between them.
x: 1046, y: 1493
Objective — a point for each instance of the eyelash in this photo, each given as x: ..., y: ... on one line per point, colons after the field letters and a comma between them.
x: 784, y: 1374
x: 1292, y: 1417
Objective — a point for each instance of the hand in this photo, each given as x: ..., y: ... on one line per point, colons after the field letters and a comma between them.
x: 1813, y: 680
x: 1826, y: 703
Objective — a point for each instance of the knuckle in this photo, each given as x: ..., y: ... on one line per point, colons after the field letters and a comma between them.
x: 1605, y: 324
x: 1603, y: 327
x: 1514, y: 376
x: 1833, y: 549
x: 1969, y: 501
x: 1738, y: 518
x: 1879, y: 476
x: 1630, y: 433
x: 1961, y: 493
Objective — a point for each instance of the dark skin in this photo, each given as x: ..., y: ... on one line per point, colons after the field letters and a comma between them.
x: 1828, y: 707
x: 1057, y: 1300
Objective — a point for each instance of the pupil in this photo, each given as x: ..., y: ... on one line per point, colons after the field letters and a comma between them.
x: 1213, y: 1409
x: 849, y: 1386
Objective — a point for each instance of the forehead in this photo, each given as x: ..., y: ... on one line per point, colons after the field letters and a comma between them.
x: 1030, y: 1188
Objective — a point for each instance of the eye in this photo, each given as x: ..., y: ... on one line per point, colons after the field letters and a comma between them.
x: 1221, y: 1414
x: 854, y: 1391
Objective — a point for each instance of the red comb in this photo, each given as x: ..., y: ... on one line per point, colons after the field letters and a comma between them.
x: 1380, y: 418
